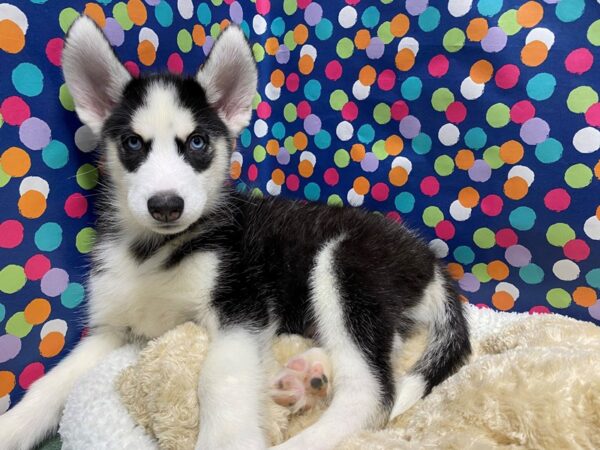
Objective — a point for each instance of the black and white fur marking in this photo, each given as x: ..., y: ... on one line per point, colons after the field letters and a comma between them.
x: 245, y: 268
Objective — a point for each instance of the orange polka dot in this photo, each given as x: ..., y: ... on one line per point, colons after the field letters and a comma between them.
x: 300, y: 34
x: 456, y: 270
x: 300, y: 140
x: 367, y: 75
x: 361, y: 186
x: 52, y: 344
x: 398, y: 176
x: 516, y: 188
x: 146, y: 53
x: 357, y: 152
x: 7, y: 382
x: 530, y: 14
x: 468, y: 197
x: 585, y: 296
x: 272, y: 147
x: 37, y: 311
x: 503, y: 300
x: 277, y: 78
x: 224, y: 24
x: 399, y: 25
x: 306, y: 64
x: 15, y: 162
x: 278, y: 177
x: 235, y: 170
x: 464, y: 159
x: 305, y: 168
x: 463, y: 299
x: 271, y: 46
x: 95, y: 12
x: 497, y: 270
x: 32, y: 204
x: 511, y: 152
x: 199, y: 35
x: 137, y: 12
x: 481, y: 71
x: 534, y: 53
x: 394, y: 145
x: 362, y: 39
x: 405, y: 59
x: 597, y: 170
x: 477, y: 29
x: 12, y: 39
x: 598, y: 212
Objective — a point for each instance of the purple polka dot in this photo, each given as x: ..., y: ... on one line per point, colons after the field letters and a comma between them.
x: 410, y: 127
x: 208, y: 45
x: 535, y: 131
x: 54, y: 282
x: 313, y: 14
x: 283, y: 54
x: 517, y: 255
x: 375, y: 48
x: 10, y: 346
x: 369, y: 163
x: 480, y: 171
x: 283, y: 157
x: 494, y: 41
x: 34, y: 133
x: 152, y: 2
x: 594, y: 311
x: 236, y: 13
x: 469, y: 283
x: 416, y: 7
x: 312, y: 124
x: 114, y: 32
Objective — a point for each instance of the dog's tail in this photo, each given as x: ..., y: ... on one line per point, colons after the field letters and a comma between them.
x: 448, y: 345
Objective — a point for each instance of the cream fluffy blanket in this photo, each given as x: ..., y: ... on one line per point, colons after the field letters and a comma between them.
x: 533, y: 382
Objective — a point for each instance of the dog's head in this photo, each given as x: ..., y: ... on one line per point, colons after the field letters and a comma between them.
x: 167, y: 139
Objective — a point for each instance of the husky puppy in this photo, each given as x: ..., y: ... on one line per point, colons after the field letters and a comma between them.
x: 175, y: 243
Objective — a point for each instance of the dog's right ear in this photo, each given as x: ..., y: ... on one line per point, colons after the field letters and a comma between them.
x: 94, y: 75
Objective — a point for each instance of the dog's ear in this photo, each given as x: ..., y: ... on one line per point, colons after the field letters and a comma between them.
x: 94, y: 75
x: 229, y: 78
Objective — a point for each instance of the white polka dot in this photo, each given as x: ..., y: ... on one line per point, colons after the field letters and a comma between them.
x: 401, y: 161
x: 591, y: 227
x: 259, y: 24
x: 34, y: 184
x: 587, y: 140
x: 507, y: 287
x: 471, y: 90
x: 10, y: 12
x: 410, y: 43
x: 260, y: 128
x: 459, y: 8
x: 449, y: 134
x: 85, y: 139
x: 4, y: 401
x: 272, y: 92
x: 308, y: 50
x: 272, y: 188
x: 55, y: 325
x: 237, y: 157
x: 541, y: 34
x: 347, y: 16
x: 439, y: 248
x: 355, y: 199
x: 524, y: 172
x: 566, y: 270
x: 185, y: 8
x: 344, y: 131
x: 305, y: 155
x: 459, y: 212
x: 360, y: 91
x: 146, y: 34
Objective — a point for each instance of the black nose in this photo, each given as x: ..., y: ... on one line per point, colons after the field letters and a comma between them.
x: 165, y: 207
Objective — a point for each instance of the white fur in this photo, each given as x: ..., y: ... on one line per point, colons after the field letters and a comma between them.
x: 409, y: 390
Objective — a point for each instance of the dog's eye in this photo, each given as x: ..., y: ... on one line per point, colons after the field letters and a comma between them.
x: 133, y: 143
x: 196, y: 142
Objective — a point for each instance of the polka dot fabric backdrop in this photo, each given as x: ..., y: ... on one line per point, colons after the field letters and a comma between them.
x: 476, y: 122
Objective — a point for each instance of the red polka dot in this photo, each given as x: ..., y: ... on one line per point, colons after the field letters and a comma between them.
x: 36, y: 267
x: 576, y: 249
x: 54, y: 49
x: 506, y: 237
x: 132, y: 68
x: 522, y: 111
x: 592, y: 115
x: 263, y: 110
x: 557, y: 200
x: 482, y: 306
x: 76, y: 205
x: 14, y: 110
x: 11, y: 233
x: 380, y: 192
x: 579, y: 61
x: 394, y: 216
x: 430, y: 186
x: 331, y: 176
x: 539, y: 310
x: 292, y: 182
x: 30, y: 374
x: 263, y: 6
x: 438, y: 66
x: 303, y: 109
x: 333, y: 70
x: 491, y: 205
x: 445, y: 230
x: 175, y: 63
x: 399, y: 110
x: 507, y: 76
x: 350, y: 111
x: 456, y: 112
x: 386, y: 80
x: 252, y: 172
x: 292, y: 82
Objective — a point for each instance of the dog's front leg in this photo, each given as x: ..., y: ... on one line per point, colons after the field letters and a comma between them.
x: 231, y: 392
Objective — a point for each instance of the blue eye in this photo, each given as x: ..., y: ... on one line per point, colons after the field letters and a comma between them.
x: 196, y: 142
x: 133, y: 143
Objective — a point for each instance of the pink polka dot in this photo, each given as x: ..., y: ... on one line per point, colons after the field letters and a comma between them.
x: 132, y: 68
x: 303, y: 109
x: 456, y: 112
x: 36, y: 267
x: 592, y: 115
x: 14, y: 110
x: 507, y: 76
x: 506, y: 238
x: 263, y: 6
x: 399, y: 110
x: 175, y: 63
x: 386, y: 80
x: 252, y: 172
x: 54, y: 49
x: 394, y: 216
x: 445, y: 230
x: 292, y: 82
x: 350, y: 111
x: 292, y: 182
x: 333, y: 70
x: 577, y: 250
x: 557, y: 200
x: 302, y: 4
x: 438, y: 66
x: 263, y: 110
x: 482, y: 306
x: 380, y: 192
x: 331, y: 176
x: 30, y: 374
x: 76, y: 205
x: 430, y: 186
x: 539, y: 310
x: 11, y: 233
x: 491, y: 205
x: 522, y: 111
x: 579, y: 61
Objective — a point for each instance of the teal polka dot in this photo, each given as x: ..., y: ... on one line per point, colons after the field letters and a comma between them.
x: 404, y: 202
x: 593, y: 278
x: 164, y: 13
x: 48, y: 237
x: 411, y: 88
x: 531, y: 274
x: 55, y: 155
x: 421, y: 144
x: 370, y: 17
x: 323, y: 139
x: 324, y: 29
x: 312, y: 191
x: 489, y: 8
x: 312, y: 90
x: 549, y: 151
x: 541, y: 86
x: 245, y: 28
x: 476, y: 138
x: 278, y: 26
x: 522, y: 218
x: 366, y: 134
x: 429, y: 19
x: 569, y: 10
x: 28, y: 79
x: 72, y: 296
x: 464, y: 254
x: 2, y: 312
x: 245, y: 138
x: 203, y: 13
x: 278, y: 130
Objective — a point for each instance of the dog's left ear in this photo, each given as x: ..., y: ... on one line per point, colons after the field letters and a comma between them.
x: 229, y: 78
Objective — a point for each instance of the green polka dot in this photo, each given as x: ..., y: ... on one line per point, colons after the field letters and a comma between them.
x: 289, y: 112
x: 217, y: 2
x: 578, y: 176
x: 559, y: 234
x: 85, y: 240
x: 384, y: 33
x: 260, y: 153
x: 443, y: 165
x: 184, y: 41
x: 492, y: 156
x: 338, y: 99
x: 593, y: 33
x: 18, y: 326
x: 345, y: 48
x: 484, y: 238
x: 87, y: 176
x: 498, y: 115
x: 4, y: 177
x: 559, y: 298
x: 256, y: 192
x: 66, y: 18
x: 288, y: 143
x: 454, y: 40
x: 508, y: 22
x: 341, y: 158
x: 382, y: 113
x: 215, y: 30
x: 581, y: 98
x: 290, y: 6
x: 531, y: 274
x: 481, y: 273
x: 379, y: 150
x: 259, y: 52
x: 441, y: 98
x: 335, y: 200
x: 288, y: 40
x: 432, y: 215
x: 1, y: 120
x: 12, y: 279
x: 122, y: 16
x: 256, y: 100
x: 65, y: 98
